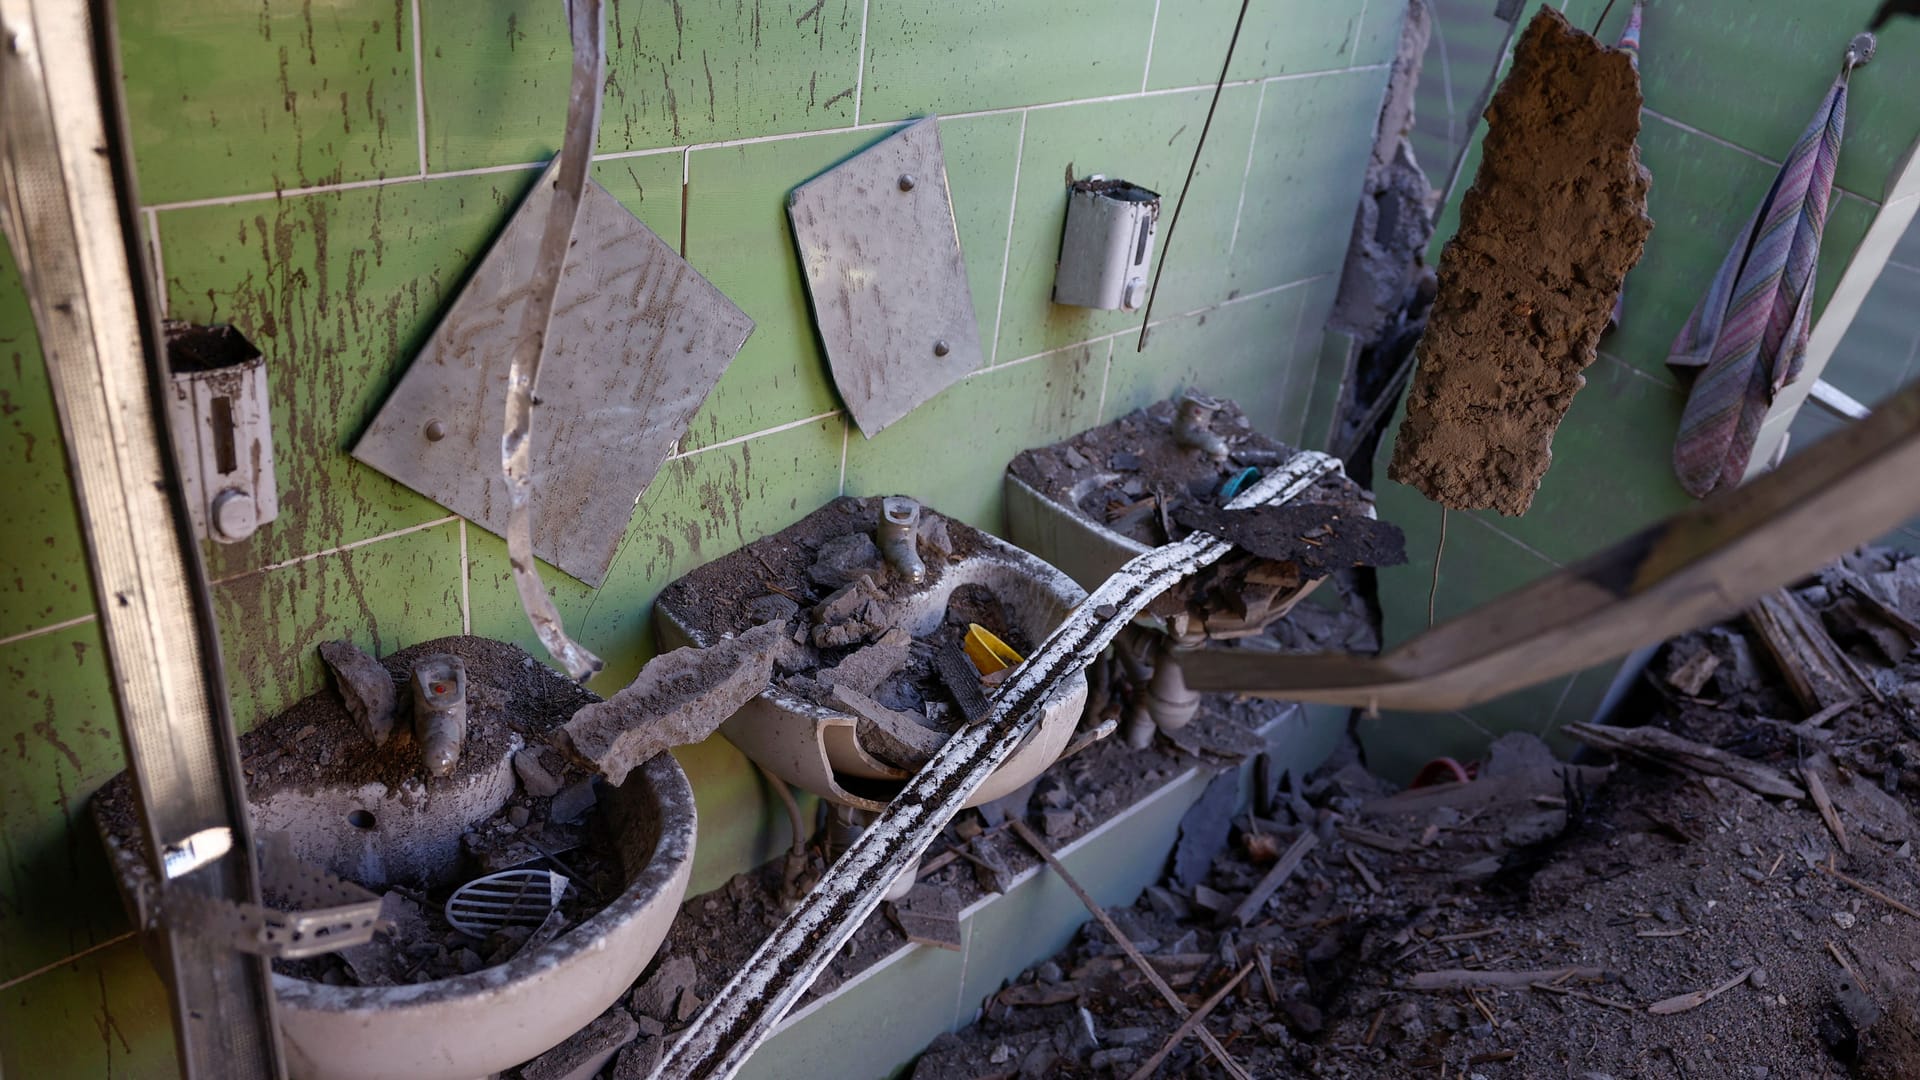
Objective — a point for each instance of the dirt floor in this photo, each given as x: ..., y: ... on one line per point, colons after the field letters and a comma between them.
x: 1630, y: 917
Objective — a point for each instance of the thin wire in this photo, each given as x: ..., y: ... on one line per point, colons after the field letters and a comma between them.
x: 1434, y: 590
x: 1193, y: 166
x: 1602, y: 20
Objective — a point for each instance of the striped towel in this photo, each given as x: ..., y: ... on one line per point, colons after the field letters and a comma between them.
x: 1749, y: 334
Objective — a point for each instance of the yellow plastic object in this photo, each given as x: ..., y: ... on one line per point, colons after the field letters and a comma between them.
x: 988, y: 652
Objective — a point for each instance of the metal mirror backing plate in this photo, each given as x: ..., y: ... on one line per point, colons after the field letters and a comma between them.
x: 882, y: 259
x: 637, y: 341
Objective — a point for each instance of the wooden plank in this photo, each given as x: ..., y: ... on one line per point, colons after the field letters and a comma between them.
x: 1697, y: 567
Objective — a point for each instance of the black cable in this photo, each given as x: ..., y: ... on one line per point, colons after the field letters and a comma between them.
x: 1146, y: 319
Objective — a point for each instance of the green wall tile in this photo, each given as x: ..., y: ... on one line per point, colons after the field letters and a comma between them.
x: 43, y: 570
x: 738, y: 235
x: 1148, y: 141
x: 381, y: 596
x: 337, y: 290
x: 62, y: 740
x: 1476, y: 564
x: 982, y: 155
x: 226, y: 98
x: 1397, y: 743
x: 102, y: 1017
x: 927, y: 56
x: 950, y: 453
x: 1280, y: 37
x: 697, y: 509
x: 1778, y: 58
x: 1612, y: 469
x: 1309, y: 162
x: 1907, y: 251
x: 877, y: 1025
x: 497, y: 74
x: 1245, y: 350
x: 1329, y: 378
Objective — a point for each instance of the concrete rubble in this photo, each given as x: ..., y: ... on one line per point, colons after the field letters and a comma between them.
x: 678, y: 698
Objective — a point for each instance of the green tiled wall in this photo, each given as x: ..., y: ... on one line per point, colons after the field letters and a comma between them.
x: 323, y: 180
x: 1712, y: 135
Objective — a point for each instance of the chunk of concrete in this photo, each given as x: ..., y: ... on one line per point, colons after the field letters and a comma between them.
x: 846, y: 558
x: 364, y: 685
x: 1554, y: 220
x: 897, y: 738
x: 535, y: 778
x: 864, y: 669
x: 658, y: 996
x: 678, y: 698
x: 587, y: 1051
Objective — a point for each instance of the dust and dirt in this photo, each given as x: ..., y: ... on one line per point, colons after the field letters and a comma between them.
x: 1611, y: 918
x: 1554, y: 220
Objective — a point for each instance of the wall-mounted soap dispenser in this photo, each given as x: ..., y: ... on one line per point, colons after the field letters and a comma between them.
x: 223, y: 430
x: 1107, y: 244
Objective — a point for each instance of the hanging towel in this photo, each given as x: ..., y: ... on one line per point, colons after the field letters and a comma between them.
x: 1749, y: 333
x: 1629, y: 43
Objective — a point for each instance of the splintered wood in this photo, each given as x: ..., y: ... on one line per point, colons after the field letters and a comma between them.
x: 1554, y: 220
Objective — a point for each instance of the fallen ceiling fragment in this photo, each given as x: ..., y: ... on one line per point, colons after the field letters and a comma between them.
x: 1554, y: 220
x: 638, y: 339
x: 882, y: 259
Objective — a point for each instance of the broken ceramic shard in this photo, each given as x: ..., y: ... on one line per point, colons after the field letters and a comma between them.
x: 365, y: 688
x: 638, y: 339
x: 680, y: 697
x: 1554, y: 220
x: 882, y: 259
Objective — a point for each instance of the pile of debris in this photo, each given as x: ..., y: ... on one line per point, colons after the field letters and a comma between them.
x: 1726, y: 891
x: 1158, y: 474
x: 836, y: 602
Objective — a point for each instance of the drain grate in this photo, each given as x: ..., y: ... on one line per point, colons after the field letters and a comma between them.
x: 486, y: 904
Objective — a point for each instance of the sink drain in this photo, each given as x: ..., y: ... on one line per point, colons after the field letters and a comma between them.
x: 486, y: 904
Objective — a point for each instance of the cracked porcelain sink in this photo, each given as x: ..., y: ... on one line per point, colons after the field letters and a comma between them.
x: 477, y: 1024
x: 814, y: 747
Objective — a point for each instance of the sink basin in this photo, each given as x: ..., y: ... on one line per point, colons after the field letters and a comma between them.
x: 472, y: 1025
x: 813, y: 746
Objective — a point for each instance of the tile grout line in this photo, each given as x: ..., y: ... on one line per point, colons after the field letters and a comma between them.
x: 1106, y: 375
x: 50, y: 628
x: 343, y: 548
x: 1164, y: 320
x: 1632, y: 370
x: 466, y: 597
x: 1737, y: 148
x: 1253, y: 139
x: 1359, y: 21
x: 1553, y: 718
x: 1514, y: 540
x: 527, y: 166
x: 1006, y: 251
x: 419, y: 91
x: 159, y: 261
x: 65, y: 960
x: 751, y: 435
x: 846, y: 436
x: 1153, y: 27
x: 860, y: 70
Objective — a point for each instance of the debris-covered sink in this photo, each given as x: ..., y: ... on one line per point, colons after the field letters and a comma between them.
x: 1091, y: 502
x: 373, y: 816
x: 869, y: 634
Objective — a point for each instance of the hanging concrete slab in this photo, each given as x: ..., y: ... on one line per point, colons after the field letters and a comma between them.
x: 638, y: 339
x: 889, y: 286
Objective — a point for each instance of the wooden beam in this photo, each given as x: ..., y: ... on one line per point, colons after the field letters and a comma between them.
x: 1699, y: 566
